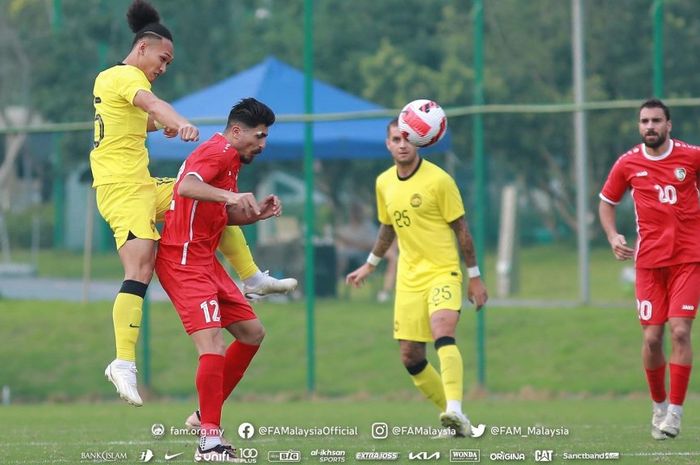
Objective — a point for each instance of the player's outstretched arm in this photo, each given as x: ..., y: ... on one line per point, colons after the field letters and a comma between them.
x: 154, y: 125
x: 385, y: 237
x: 617, y: 241
x: 162, y: 112
x: 476, y: 289
x: 193, y: 187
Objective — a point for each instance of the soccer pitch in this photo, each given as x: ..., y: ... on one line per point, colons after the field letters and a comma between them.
x: 574, y: 372
x: 94, y: 433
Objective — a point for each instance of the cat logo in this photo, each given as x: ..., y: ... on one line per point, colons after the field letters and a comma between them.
x: 416, y: 200
x: 680, y: 173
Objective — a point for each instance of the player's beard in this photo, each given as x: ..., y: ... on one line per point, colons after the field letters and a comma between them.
x: 660, y: 140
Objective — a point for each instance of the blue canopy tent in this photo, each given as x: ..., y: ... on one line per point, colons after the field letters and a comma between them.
x: 282, y: 88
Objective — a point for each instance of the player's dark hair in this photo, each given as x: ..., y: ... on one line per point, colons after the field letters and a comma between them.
x: 251, y: 113
x: 144, y: 20
x: 394, y: 122
x: 656, y: 103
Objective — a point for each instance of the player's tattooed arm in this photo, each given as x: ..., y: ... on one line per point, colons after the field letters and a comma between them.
x: 385, y: 238
x: 465, y: 241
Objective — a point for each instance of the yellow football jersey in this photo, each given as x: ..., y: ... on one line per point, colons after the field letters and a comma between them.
x: 119, y: 146
x: 420, y: 209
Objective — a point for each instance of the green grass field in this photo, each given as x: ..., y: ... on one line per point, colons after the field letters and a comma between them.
x: 575, y: 367
x: 50, y: 433
x: 57, y: 351
x: 558, y: 263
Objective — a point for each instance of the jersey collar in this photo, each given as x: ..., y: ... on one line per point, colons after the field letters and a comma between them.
x: 658, y: 157
x: 420, y: 162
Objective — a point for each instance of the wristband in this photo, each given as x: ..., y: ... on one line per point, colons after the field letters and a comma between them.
x: 373, y: 259
x: 473, y: 272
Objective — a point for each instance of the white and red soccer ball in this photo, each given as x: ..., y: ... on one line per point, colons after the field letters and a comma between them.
x: 422, y: 122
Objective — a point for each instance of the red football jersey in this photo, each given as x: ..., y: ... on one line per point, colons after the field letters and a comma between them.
x: 665, y: 194
x: 193, y: 228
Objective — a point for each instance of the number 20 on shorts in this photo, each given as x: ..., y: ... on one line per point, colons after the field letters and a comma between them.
x: 644, y: 309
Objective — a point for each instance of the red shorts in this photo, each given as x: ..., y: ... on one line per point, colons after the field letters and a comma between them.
x: 669, y: 292
x: 203, y: 295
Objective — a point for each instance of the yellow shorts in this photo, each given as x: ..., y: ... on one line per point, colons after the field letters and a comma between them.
x: 164, y: 196
x: 134, y: 207
x: 412, y: 309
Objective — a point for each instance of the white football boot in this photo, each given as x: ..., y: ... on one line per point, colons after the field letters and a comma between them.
x: 122, y: 374
x: 671, y: 425
x: 458, y: 422
x: 269, y: 285
x: 657, y: 417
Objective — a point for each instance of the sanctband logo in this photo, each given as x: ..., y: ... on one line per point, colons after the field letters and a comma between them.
x: 465, y: 455
x: 423, y: 455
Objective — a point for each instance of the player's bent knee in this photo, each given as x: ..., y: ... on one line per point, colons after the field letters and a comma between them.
x: 416, y: 368
x: 411, y: 358
x: 253, y: 336
x: 444, y: 341
x: 258, y: 336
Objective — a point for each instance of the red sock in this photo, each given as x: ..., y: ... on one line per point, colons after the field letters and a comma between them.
x: 680, y: 375
x: 209, y: 382
x: 238, y: 357
x: 656, y: 378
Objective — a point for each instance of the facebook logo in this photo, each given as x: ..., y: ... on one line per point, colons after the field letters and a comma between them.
x: 246, y: 430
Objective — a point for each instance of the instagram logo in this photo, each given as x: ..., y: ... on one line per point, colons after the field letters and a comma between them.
x: 380, y: 430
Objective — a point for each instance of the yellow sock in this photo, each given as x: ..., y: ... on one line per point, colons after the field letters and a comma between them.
x: 429, y: 383
x: 126, y: 315
x: 452, y: 371
x: 235, y: 248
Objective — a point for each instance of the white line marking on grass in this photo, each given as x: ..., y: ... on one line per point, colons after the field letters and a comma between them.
x: 39, y: 461
x: 106, y: 443
x: 659, y: 454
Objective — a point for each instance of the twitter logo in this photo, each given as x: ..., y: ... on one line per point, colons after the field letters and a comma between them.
x: 478, y: 431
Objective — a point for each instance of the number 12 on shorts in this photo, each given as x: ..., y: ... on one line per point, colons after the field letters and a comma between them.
x: 212, y: 315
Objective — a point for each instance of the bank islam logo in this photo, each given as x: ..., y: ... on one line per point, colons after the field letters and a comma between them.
x: 423, y: 455
x: 246, y: 430
x: 544, y: 455
x: 465, y: 455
